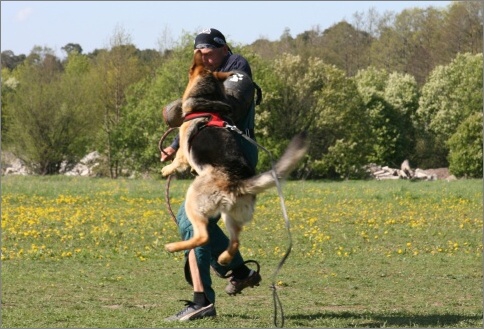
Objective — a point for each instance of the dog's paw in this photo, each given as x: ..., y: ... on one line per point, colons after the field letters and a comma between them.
x: 225, y: 258
x: 167, y: 171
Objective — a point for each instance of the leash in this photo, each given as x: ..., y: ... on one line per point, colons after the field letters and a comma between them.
x: 168, y: 181
x: 277, y: 302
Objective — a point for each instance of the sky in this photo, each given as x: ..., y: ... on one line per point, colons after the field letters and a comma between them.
x: 91, y: 24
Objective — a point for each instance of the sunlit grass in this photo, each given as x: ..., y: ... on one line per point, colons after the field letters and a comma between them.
x: 109, y: 221
x: 346, y: 236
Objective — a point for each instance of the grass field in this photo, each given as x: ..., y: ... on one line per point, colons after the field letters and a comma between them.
x: 85, y: 252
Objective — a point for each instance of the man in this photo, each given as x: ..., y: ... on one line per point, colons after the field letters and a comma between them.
x: 217, y: 56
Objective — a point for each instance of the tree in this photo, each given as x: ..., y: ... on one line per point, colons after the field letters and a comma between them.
x: 289, y: 85
x: 78, y: 93
x: 465, y: 148
x: 462, y: 28
x: 453, y: 93
x: 402, y: 94
x: 408, y: 42
x: 345, y: 47
x: 48, y: 116
x: 10, y: 60
x: 116, y: 70
x: 142, y: 124
x: 343, y: 129
x: 72, y: 47
x: 382, y: 118
x: 307, y: 94
x: 9, y: 85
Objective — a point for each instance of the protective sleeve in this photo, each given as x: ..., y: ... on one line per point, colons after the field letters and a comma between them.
x: 172, y: 114
x: 240, y: 94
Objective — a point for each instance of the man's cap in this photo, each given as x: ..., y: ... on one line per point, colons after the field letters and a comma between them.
x: 209, y: 38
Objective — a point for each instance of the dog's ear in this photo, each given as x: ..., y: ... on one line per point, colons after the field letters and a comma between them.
x: 222, y: 76
x: 197, y: 62
x: 197, y: 58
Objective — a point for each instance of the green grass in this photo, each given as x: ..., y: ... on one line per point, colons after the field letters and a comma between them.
x: 79, y: 252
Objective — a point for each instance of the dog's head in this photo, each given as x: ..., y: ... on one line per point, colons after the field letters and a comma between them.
x: 205, y: 90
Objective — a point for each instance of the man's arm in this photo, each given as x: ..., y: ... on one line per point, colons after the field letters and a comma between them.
x: 173, y: 117
x: 240, y: 94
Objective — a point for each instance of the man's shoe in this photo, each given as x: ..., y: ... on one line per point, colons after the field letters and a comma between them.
x: 193, y: 311
x: 235, y: 286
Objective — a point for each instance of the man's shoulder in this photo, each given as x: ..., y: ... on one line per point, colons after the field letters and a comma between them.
x: 238, y: 62
x: 238, y: 57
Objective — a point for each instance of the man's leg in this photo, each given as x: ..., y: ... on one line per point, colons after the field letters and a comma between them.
x: 197, y: 273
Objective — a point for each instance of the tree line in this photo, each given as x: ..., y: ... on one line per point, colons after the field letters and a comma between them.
x: 381, y: 89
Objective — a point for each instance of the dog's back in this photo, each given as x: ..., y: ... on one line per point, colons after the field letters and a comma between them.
x: 212, y: 146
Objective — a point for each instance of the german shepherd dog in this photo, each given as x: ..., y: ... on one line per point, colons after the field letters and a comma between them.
x: 225, y: 183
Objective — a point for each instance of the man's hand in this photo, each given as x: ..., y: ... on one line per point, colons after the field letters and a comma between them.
x: 168, y: 154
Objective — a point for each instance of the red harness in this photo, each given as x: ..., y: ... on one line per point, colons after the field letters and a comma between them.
x: 214, y: 119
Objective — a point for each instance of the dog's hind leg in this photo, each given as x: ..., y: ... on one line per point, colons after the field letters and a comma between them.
x: 234, y: 232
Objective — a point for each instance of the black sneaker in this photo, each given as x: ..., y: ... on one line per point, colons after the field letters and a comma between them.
x: 235, y: 286
x: 193, y: 311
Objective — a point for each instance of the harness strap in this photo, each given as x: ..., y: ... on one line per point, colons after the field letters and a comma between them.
x: 214, y: 119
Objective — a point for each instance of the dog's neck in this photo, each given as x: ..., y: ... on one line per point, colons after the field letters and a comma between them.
x: 196, y: 104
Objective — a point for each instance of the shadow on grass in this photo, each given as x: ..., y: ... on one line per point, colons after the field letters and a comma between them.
x: 372, y: 320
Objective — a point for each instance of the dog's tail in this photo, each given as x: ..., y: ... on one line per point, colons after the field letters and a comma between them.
x: 294, y: 152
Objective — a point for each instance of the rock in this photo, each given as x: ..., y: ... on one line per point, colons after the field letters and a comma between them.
x: 11, y: 165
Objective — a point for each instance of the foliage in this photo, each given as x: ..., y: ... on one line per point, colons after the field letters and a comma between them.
x: 10, y: 61
x: 309, y: 95
x: 390, y: 101
x: 142, y: 126
x: 116, y: 71
x: 465, y: 156
x: 50, y: 115
x: 453, y: 93
x: 381, y: 88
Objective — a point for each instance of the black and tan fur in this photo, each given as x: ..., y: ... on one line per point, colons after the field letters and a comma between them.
x: 225, y: 183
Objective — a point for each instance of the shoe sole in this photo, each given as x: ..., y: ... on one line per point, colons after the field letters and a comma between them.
x: 240, y: 291
x: 198, y: 315
x: 194, y: 315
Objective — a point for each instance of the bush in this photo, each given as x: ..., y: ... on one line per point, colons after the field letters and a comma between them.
x: 465, y: 155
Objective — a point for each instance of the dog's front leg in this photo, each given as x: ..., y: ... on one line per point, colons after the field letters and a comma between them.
x: 178, y: 164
